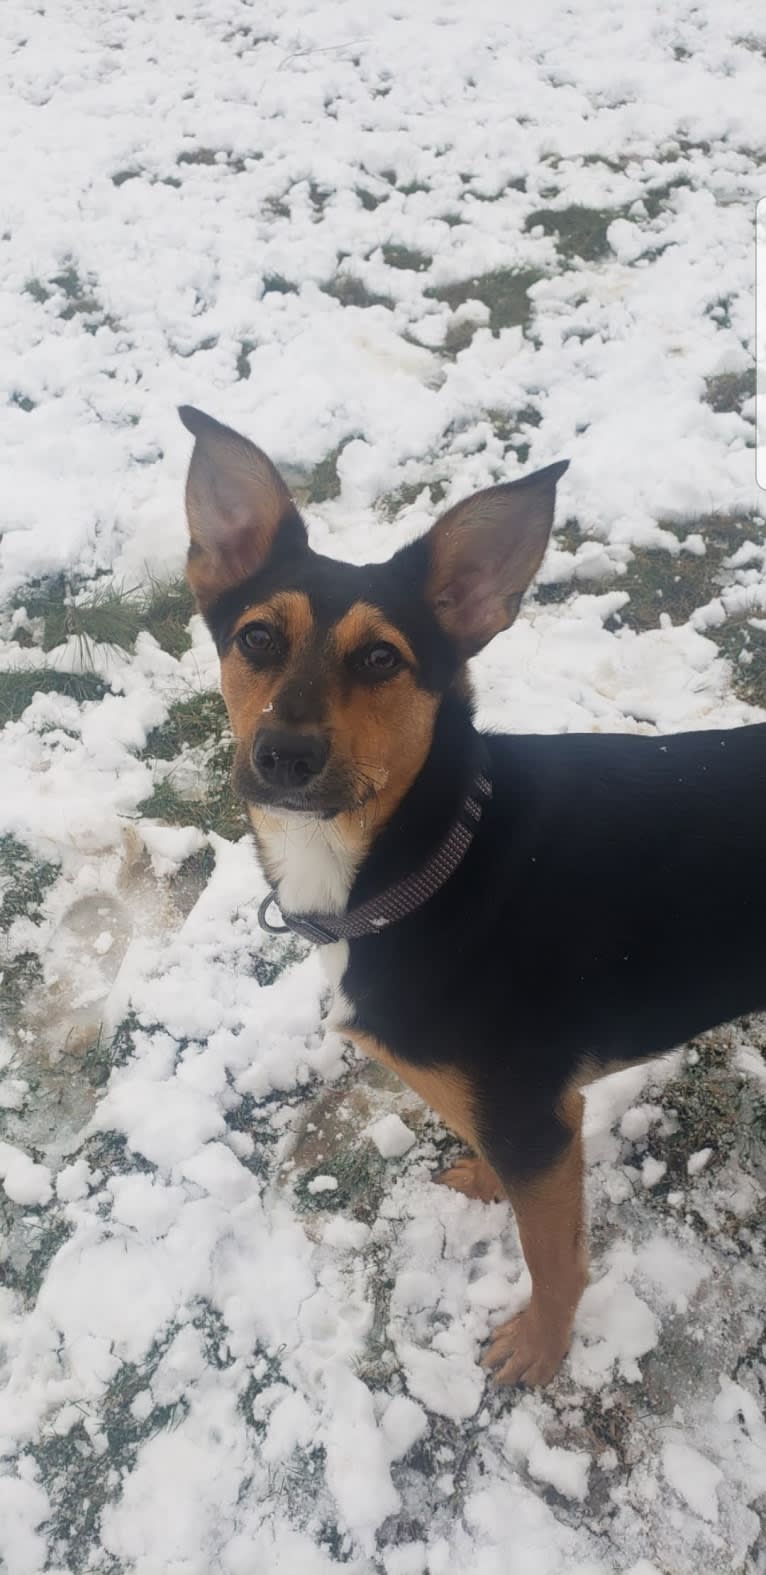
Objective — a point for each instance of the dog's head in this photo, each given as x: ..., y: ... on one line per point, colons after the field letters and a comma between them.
x: 333, y: 673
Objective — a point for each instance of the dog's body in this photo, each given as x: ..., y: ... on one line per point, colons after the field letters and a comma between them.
x: 610, y: 903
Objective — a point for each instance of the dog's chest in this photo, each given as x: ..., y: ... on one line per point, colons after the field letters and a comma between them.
x: 313, y: 869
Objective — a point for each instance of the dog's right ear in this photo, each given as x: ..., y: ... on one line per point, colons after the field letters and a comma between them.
x: 238, y: 508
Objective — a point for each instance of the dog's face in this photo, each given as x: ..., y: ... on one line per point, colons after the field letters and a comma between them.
x: 333, y: 674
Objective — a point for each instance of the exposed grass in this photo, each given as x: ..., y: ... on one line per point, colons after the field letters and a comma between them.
x: 242, y: 365
x: 199, y: 720
x: 276, y: 284
x: 24, y: 882
x: 74, y: 296
x: 371, y: 200
x: 197, y: 723
x: 705, y: 1101
x: 729, y: 391
x: 349, y: 290
x: 109, y: 614
x: 361, y: 1176
x: 18, y: 688
x: 28, y: 880
x: 505, y: 292
x: 578, y: 232
x: 745, y: 647
x: 166, y: 613
x: 324, y: 483
x: 392, y: 503
x: 406, y: 257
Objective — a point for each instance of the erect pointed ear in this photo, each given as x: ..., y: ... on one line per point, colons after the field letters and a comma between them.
x: 237, y: 505
x: 485, y: 551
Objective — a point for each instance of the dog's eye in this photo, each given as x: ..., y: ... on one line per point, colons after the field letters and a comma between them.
x: 258, y: 639
x: 379, y: 660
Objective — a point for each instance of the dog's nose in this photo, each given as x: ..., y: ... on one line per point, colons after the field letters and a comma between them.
x: 286, y: 759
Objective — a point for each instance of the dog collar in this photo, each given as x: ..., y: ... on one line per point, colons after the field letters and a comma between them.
x: 399, y: 900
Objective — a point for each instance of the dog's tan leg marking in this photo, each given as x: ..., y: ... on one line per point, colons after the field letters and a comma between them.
x: 475, y: 1178
x: 445, y: 1088
x: 550, y: 1215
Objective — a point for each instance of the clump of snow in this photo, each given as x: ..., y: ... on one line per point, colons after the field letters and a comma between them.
x: 391, y: 1137
x: 24, y: 1181
x: 693, y: 1478
x: 652, y: 1171
x: 322, y: 1184
x: 564, y: 1469
x: 696, y: 1163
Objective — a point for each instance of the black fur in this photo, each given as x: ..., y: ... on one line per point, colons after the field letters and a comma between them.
x: 612, y: 905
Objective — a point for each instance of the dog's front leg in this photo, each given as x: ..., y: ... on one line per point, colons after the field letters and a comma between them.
x: 549, y: 1208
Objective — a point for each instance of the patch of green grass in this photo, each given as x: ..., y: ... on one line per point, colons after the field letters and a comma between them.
x: 392, y: 503
x: 199, y: 720
x: 79, y: 1482
x: 458, y: 337
x: 360, y: 1174
x: 505, y: 292
x: 108, y: 614
x: 212, y: 156
x: 38, y: 291
x: 578, y: 232
x: 705, y: 1100
x: 656, y: 198
x: 369, y: 199
x: 744, y: 646
x: 325, y: 483
x: 35, y: 1237
x: 276, y: 284
x: 28, y: 880
x: 242, y: 365
x: 197, y: 723
x: 406, y: 257
x: 18, y: 688
x: 729, y: 390
x: 21, y: 974
x: 350, y: 291
x: 166, y: 613
x: 24, y: 882
x: 659, y: 582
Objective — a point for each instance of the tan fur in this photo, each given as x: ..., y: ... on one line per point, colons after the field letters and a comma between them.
x: 248, y: 693
x: 475, y: 1178
x: 446, y: 1089
x: 550, y: 1215
x: 382, y: 733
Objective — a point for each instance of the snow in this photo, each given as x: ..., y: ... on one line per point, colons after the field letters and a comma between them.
x: 391, y: 1137
x: 696, y: 1162
x: 23, y: 1180
x: 693, y: 1478
x: 565, y: 1469
x: 306, y: 1375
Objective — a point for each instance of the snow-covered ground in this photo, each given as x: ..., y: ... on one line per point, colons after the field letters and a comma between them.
x: 410, y: 250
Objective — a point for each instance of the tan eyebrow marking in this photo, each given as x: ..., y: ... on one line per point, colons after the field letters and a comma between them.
x: 363, y: 624
x: 290, y: 609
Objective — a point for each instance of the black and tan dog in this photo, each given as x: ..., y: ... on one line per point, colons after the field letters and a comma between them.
x: 506, y: 917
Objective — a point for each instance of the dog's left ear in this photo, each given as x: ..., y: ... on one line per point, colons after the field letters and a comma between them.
x: 238, y: 507
x: 484, y: 552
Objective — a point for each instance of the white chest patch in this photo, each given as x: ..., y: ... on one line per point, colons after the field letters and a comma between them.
x: 313, y: 870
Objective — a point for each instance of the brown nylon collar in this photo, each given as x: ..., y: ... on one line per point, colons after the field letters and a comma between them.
x: 399, y: 900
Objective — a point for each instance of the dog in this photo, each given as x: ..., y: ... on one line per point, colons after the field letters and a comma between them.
x: 505, y: 918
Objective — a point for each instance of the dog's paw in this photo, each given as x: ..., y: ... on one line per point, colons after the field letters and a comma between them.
x: 522, y: 1351
x: 474, y: 1178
